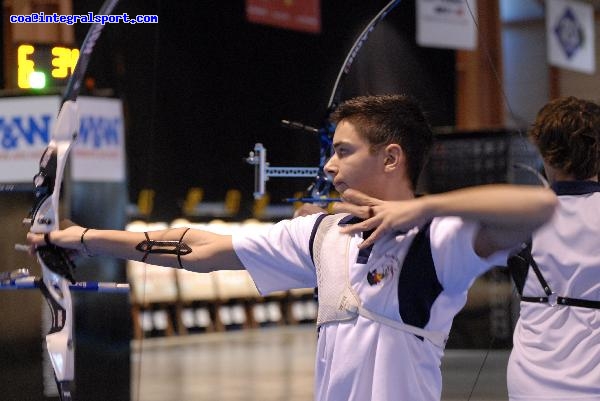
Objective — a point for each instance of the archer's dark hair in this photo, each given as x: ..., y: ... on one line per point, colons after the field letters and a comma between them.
x: 566, y: 132
x: 385, y: 119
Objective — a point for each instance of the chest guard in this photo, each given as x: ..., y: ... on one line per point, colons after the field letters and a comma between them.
x: 337, y: 300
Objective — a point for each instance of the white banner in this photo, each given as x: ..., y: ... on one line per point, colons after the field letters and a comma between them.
x: 25, y: 124
x: 25, y: 129
x: 570, y: 35
x: 447, y: 24
x: 99, y: 154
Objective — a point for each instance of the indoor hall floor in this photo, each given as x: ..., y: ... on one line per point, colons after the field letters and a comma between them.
x: 275, y: 364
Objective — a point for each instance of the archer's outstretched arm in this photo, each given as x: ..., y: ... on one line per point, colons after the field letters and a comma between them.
x: 194, y: 250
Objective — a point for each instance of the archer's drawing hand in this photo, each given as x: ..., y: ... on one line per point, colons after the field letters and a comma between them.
x: 381, y: 216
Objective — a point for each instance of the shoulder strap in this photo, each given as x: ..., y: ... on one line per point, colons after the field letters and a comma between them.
x: 322, y: 225
x: 518, y: 266
x: 313, y: 237
x: 536, y: 269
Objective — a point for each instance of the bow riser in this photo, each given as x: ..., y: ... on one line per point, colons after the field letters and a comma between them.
x: 52, y: 165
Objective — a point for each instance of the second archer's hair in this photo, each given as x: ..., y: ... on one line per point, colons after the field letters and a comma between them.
x: 567, y: 133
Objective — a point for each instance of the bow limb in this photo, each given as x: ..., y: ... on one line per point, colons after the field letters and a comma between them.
x: 335, y: 96
x: 57, y: 268
x: 322, y: 185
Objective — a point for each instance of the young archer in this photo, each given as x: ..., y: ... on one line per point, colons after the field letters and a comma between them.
x: 382, y: 338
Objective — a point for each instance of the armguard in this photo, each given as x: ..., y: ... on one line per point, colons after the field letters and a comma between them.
x: 178, y: 248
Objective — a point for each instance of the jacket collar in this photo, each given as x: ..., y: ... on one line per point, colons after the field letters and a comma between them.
x: 575, y: 187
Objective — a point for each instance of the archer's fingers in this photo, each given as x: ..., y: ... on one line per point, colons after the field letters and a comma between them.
x: 358, y: 198
x: 366, y: 225
x: 35, y: 239
x: 372, y: 238
x: 364, y: 212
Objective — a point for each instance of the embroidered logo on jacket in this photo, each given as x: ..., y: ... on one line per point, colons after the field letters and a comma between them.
x: 374, y: 277
x: 378, y: 274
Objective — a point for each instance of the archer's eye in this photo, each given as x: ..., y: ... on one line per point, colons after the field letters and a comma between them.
x: 341, y: 152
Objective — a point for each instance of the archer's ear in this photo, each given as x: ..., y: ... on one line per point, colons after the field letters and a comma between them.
x: 393, y: 157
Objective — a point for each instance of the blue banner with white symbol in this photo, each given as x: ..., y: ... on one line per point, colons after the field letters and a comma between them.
x: 570, y: 35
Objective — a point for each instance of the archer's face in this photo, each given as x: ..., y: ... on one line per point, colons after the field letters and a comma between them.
x: 353, y: 165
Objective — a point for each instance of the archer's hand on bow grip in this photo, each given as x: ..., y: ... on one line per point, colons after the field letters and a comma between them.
x: 68, y: 238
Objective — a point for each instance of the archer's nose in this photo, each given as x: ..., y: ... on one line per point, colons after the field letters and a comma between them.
x: 331, y: 166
